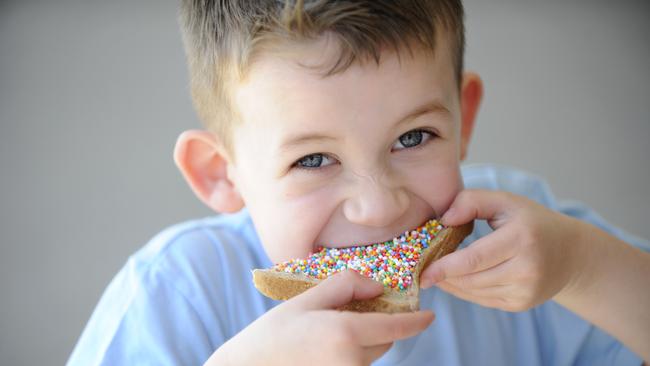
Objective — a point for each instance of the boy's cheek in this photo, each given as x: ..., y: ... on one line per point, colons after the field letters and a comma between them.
x: 438, y: 186
x: 288, y: 228
x: 303, y: 186
x: 282, y: 239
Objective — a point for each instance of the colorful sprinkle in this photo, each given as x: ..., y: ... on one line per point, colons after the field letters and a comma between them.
x: 391, y: 263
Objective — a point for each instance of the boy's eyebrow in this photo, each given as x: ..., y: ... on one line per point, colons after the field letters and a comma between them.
x: 303, y: 138
x: 428, y: 107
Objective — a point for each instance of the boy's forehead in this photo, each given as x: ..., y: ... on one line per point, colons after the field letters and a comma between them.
x: 292, y: 84
x: 323, y: 54
x: 314, y: 56
x: 313, y: 59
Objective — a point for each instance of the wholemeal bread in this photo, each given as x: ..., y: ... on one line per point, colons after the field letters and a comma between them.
x: 289, y: 279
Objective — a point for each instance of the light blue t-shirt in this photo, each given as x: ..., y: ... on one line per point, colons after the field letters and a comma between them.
x: 190, y: 289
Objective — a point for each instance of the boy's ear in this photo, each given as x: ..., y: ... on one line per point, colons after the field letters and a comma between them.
x: 204, y: 165
x: 471, y: 94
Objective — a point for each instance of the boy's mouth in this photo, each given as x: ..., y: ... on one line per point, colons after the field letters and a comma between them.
x: 391, y: 262
x: 375, y: 238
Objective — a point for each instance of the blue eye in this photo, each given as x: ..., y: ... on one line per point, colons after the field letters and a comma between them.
x: 412, y: 138
x: 314, y: 161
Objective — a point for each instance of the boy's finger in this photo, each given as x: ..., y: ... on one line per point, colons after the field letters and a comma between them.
x: 491, y: 297
x: 477, y: 204
x: 477, y: 297
x: 487, y: 252
x: 371, y: 329
x: 339, y: 290
x: 498, y: 275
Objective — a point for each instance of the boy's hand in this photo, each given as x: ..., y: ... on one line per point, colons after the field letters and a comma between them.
x: 308, y: 330
x: 530, y: 257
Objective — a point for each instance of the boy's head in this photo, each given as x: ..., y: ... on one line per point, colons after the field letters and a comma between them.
x: 335, y: 122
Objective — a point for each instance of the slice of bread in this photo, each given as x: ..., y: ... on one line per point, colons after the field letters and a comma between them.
x: 280, y: 285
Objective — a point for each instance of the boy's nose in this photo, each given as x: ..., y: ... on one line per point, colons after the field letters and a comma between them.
x: 375, y: 204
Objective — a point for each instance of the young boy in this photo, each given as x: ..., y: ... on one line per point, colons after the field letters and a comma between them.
x: 337, y: 123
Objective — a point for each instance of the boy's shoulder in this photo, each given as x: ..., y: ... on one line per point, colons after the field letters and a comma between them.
x: 213, y: 256
x: 191, y: 277
x: 509, y: 179
x: 523, y: 183
x: 193, y: 240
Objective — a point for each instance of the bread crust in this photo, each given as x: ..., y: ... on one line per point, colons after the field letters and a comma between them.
x: 283, y: 286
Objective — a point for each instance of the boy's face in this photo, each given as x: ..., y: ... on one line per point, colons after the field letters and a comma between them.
x: 353, y: 158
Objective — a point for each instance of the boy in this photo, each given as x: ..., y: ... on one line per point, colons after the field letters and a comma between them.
x: 337, y: 123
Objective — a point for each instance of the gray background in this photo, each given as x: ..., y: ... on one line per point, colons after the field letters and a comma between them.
x: 93, y: 94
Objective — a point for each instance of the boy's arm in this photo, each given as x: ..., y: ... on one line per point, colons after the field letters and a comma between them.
x: 610, y: 288
x: 307, y: 328
x: 536, y: 254
x: 143, y: 319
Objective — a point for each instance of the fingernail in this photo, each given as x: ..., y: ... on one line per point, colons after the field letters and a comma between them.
x: 449, y: 214
x: 431, y: 314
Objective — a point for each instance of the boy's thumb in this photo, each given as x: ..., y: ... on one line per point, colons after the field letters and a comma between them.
x: 472, y: 204
x: 338, y: 290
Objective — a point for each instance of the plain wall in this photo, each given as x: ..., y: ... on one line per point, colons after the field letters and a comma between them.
x: 94, y: 93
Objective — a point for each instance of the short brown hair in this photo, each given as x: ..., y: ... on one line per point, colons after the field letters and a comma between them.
x: 221, y: 38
